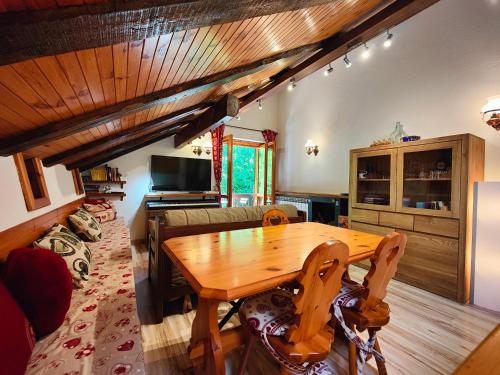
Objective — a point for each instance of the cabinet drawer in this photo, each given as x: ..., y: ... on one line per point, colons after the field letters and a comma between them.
x: 364, y: 216
x: 437, y: 225
x: 396, y: 220
x: 430, y: 262
x: 369, y: 228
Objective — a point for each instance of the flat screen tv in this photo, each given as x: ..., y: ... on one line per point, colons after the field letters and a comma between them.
x: 180, y: 174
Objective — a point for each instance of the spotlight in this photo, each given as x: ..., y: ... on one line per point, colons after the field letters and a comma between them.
x: 292, y: 84
x: 366, y: 53
x: 329, y: 70
x: 348, y: 62
x: 260, y: 104
x: 238, y: 118
x: 388, y: 41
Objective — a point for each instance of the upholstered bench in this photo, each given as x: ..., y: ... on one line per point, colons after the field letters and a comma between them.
x: 166, y: 280
x: 101, y: 333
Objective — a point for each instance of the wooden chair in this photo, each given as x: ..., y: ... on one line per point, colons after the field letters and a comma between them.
x: 362, y: 306
x: 275, y: 213
x: 294, y: 328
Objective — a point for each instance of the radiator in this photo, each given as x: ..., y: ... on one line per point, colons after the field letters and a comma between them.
x: 302, y: 204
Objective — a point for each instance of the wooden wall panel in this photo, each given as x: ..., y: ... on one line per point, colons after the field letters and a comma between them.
x: 25, y: 233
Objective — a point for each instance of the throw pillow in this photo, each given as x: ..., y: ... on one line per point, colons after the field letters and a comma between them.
x: 102, y: 211
x: 17, y: 339
x: 72, y: 249
x: 44, y: 295
x: 85, y: 225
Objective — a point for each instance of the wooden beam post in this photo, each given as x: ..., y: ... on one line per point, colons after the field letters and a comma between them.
x: 35, y: 33
x: 123, y: 149
x: 86, y: 121
x: 225, y: 109
x: 156, y: 124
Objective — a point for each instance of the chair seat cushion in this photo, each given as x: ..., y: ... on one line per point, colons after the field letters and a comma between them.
x: 271, y: 311
x: 349, y: 294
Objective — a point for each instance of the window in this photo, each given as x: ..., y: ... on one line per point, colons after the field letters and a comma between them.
x: 247, y: 167
x: 32, y: 181
x: 77, y: 181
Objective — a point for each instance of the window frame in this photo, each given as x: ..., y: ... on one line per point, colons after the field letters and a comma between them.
x: 77, y: 181
x: 32, y: 202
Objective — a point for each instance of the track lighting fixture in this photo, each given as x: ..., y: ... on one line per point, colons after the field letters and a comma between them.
x: 348, y: 62
x: 292, y: 84
x: 388, y: 41
x: 329, y: 70
x: 259, y: 102
x: 366, y: 53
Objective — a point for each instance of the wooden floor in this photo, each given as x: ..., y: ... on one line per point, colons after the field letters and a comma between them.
x: 427, y: 334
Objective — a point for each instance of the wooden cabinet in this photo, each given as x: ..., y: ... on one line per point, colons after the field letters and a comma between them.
x: 423, y: 189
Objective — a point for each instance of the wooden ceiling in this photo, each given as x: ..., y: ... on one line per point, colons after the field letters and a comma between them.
x: 69, y: 107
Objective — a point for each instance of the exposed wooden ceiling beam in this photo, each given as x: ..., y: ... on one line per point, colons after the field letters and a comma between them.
x: 64, y: 128
x: 36, y: 33
x: 331, y: 49
x: 124, y: 148
x: 222, y: 111
x: 339, y: 44
x: 100, y: 143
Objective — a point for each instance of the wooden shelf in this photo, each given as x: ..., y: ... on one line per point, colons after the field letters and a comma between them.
x: 428, y: 179
x: 374, y: 179
x: 118, y: 194
x: 121, y: 183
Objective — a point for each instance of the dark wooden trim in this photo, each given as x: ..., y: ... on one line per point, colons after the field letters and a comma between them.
x: 225, y: 109
x: 123, y: 149
x: 340, y: 43
x: 64, y: 128
x: 157, y: 124
x: 35, y: 33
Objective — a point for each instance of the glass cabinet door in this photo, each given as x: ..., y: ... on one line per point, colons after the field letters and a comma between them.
x: 373, y: 180
x: 429, y: 178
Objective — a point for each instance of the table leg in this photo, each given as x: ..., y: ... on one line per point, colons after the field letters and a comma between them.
x: 205, y: 331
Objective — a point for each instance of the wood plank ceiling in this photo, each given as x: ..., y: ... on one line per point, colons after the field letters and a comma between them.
x: 48, y: 89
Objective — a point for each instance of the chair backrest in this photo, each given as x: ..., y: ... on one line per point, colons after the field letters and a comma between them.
x: 383, y: 268
x: 318, y: 287
x: 274, y: 213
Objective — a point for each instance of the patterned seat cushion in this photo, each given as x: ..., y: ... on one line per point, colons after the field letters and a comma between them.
x: 85, y: 225
x: 349, y: 294
x: 71, y: 248
x: 101, y: 333
x: 271, y: 312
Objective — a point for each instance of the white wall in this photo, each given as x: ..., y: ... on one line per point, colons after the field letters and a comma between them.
x: 435, y: 78
x: 486, y: 252
x: 13, y: 208
x: 135, y: 167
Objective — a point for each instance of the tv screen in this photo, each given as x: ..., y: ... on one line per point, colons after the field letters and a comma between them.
x: 180, y: 174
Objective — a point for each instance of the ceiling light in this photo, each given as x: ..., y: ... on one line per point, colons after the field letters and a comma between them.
x: 366, y: 53
x: 329, y: 70
x: 348, y: 62
x: 292, y: 84
x: 388, y: 41
x: 260, y: 104
x: 238, y: 118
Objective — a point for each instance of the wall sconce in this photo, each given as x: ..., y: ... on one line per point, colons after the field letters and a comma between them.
x: 208, y: 148
x: 311, y: 148
x: 491, y: 112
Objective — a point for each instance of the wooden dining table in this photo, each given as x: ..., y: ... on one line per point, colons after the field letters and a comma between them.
x: 227, y: 266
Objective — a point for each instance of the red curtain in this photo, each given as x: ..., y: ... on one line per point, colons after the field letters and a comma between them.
x: 269, y: 135
x: 217, y: 135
